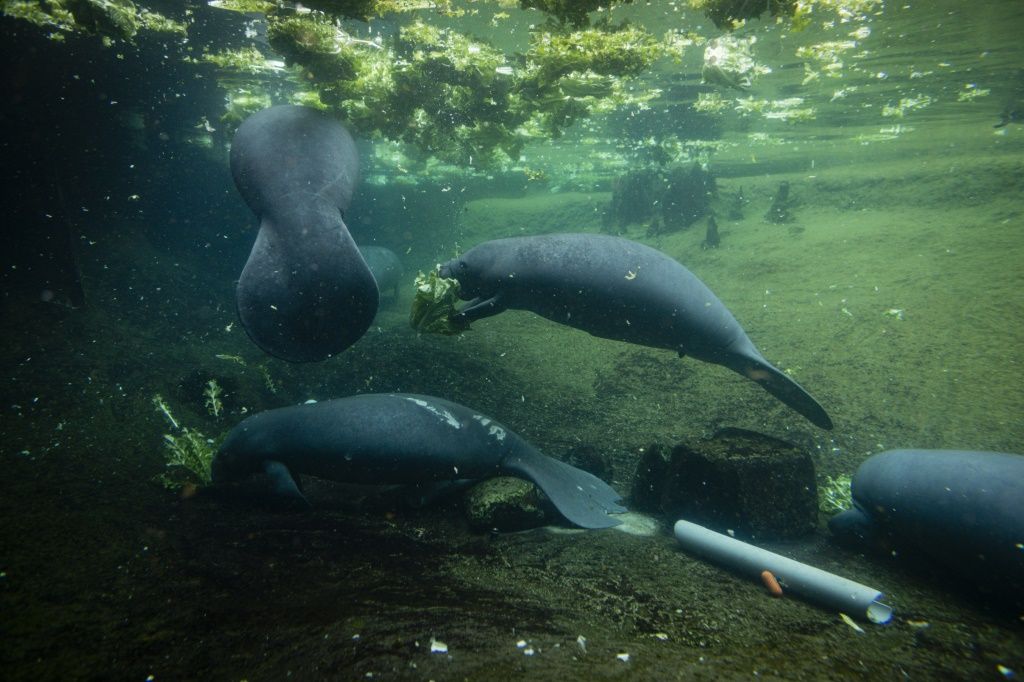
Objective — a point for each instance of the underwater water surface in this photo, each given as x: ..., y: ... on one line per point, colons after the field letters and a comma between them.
x: 886, y: 278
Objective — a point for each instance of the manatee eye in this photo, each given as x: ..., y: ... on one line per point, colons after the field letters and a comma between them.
x: 463, y: 266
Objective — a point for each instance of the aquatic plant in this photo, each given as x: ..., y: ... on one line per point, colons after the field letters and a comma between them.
x: 190, y: 452
x: 621, y: 51
x: 245, y: 6
x: 162, y: 407
x: 314, y: 42
x: 268, y: 380
x: 710, y: 103
x: 434, y: 305
x: 906, y: 104
x: 733, y: 14
x: 730, y: 14
x: 835, y: 496
x: 242, y: 102
x: 245, y: 60
x: 571, y: 12
x: 729, y: 61
x: 212, y: 393
x: 455, y: 97
x: 109, y: 18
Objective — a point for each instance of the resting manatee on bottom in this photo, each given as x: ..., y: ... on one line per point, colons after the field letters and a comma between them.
x: 305, y: 293
x: 617, y: 289
x: 964, y: 509
x: 402, y: 439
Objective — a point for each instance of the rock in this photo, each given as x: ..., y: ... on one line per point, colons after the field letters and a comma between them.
x: 590, y: 459
x: 779, y: 211
x: 507, y: 504
x: 759, y: 487
x: 649, y: 479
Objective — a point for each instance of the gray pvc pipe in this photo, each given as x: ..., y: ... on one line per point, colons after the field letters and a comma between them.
x: 818, y: 586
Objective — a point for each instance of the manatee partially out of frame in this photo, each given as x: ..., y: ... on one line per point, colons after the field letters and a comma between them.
x: 306, y: 292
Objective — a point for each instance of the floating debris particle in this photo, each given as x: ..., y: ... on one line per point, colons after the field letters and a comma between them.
x: 849, y: 621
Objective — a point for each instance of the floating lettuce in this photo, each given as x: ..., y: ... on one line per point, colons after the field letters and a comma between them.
x: 433, y: 308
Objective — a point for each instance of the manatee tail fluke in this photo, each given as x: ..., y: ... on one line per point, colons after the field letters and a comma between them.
x: 785, y: 389
x: 582, y: 498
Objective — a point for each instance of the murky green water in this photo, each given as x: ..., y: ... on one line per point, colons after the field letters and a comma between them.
x: 894, y: 295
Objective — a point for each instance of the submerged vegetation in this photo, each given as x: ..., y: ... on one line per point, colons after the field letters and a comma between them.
x: 835, y: 495
x: 188, y: 453
x: 412, y: 72
x: 458, y: 98
x: 109, y: 18
x: 433, y: 307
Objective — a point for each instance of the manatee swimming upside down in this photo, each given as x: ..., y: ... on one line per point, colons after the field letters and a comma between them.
x: 305, y: 293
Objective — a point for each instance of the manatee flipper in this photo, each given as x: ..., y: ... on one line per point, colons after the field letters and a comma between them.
x: 854, y: 527
x: 478, y: 309
x: 742, y: 357
x: 283, y: 488
x: 582, y: 498
x: 785, y: 389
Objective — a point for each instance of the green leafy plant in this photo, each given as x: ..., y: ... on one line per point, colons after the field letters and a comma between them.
x: 835, y: 496
x: 188, y: 453
x: 433, y: 307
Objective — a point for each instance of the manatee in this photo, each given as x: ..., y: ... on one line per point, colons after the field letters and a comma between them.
x: 305, y: 293
x: 617, y: 289
x: 398, y: 438
x: 386, y: 268
x: 963, y: 509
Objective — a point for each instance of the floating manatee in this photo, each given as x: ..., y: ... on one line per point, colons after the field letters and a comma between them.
x: 962, y: 509
x: 617, y: 289
x: 386, y: 268
x: 305, y: 293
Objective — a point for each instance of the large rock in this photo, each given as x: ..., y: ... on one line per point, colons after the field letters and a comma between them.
x: 507, y: 504
x: 755, y: 485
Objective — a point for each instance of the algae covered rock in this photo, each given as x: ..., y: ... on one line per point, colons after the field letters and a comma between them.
x: 507, y: 504
x: 742, y: 481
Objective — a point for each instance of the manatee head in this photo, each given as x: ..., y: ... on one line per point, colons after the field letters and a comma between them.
x: 471, y: 269
x: 248, y: 445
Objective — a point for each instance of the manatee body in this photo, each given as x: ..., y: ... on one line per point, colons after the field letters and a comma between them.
x: 617, y: 289
x: 964, y: 509
x: 305, y: 293
x: 401, y: 438
x: 386, y: 268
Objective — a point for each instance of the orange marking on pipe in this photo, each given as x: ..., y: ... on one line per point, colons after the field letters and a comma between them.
x: 771, y: 583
